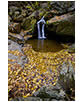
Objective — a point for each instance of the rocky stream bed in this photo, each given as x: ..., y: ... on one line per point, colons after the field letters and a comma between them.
x: 46, y: 74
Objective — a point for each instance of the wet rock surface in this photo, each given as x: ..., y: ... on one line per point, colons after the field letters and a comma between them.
x: 19, y: 58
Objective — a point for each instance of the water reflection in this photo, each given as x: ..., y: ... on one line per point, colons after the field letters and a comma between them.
x: 45, y: 45
x: 40, y: 44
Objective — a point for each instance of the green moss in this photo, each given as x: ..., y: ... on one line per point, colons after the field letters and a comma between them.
x: 29, y: 7
x: 35, y: 5
x: 33, y: 22
x: 29, y: 24
x: 49, y: 6
x: 46, y: 22
x: 42, y: 12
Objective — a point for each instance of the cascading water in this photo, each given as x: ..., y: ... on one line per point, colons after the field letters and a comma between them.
x: 41, y: 34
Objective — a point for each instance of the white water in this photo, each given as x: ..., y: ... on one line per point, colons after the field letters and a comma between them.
x: 41, y: 34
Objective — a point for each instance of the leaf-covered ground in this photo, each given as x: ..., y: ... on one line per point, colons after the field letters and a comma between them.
x: 41, y: 69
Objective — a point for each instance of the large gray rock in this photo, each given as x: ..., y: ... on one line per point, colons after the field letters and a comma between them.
x: 50, y: 92
x: 20, y: 59
x: 67, y: 71
x: 62, y: 25
x: 67, y: 80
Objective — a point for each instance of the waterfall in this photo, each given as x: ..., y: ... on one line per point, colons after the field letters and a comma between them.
x: 41, y: 34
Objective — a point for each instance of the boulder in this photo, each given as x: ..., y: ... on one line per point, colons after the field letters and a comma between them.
x: 50, y: 92
x: 20, y: 59
x: 62, y: 25
x: 67, y: 80
x: 16, y: 38
x: 14, y: 27
x: 67, y: 71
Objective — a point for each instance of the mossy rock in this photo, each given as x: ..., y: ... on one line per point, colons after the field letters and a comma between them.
x: 29, y: 24
x: 66, y: 28
x: 60, y: 25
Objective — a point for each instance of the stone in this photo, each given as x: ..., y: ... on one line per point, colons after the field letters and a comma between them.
x: 71, y: 49
x: 13, y: 9
x: 16, y: 36
x: 62, y: 25
x: 18, y: 18
x: 9, y: 20
x: 14, y: 46
x: 24, y: 13
x: 67, y: 79
x: 20, y: 59
x: 26, y: 37
x: 67, y: 71
x: 14, y: 28
x: 50, y: 92
x: 16, y: 13
x: 62, y: 93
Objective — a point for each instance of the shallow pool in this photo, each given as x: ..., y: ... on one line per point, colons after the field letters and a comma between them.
x: 45, y: 45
